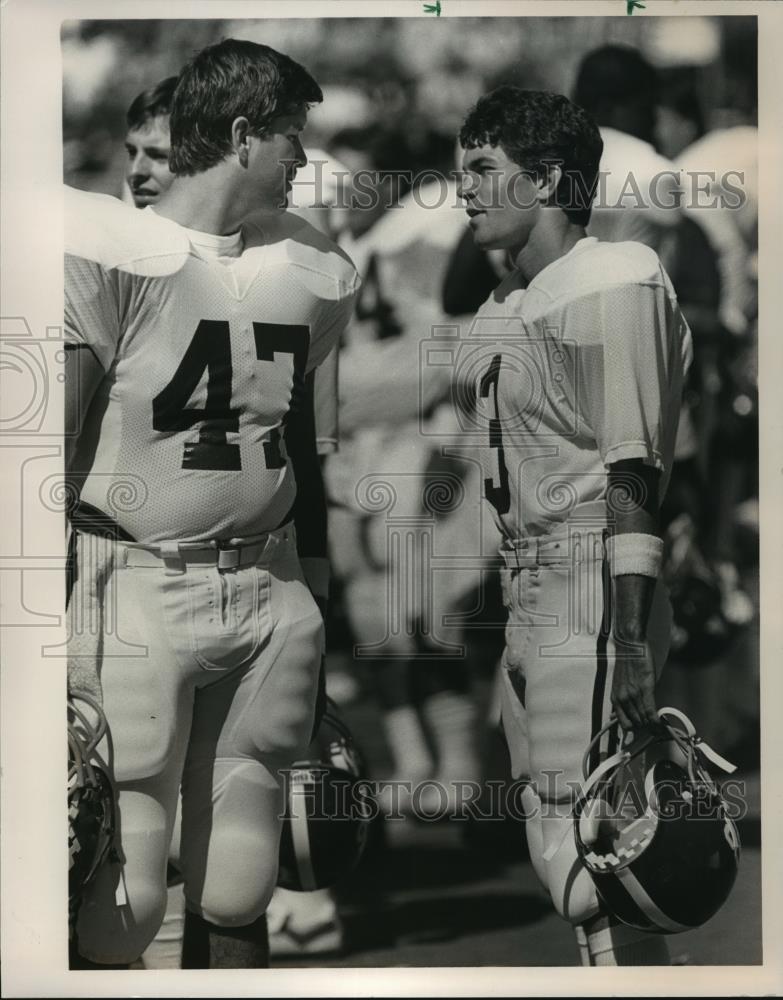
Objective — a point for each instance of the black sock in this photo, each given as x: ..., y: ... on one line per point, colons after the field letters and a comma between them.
x: 207, y: 946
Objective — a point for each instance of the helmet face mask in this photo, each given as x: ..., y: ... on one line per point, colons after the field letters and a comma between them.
x: 655, y: 834
x: 329, y: 808
x: 91, y: 810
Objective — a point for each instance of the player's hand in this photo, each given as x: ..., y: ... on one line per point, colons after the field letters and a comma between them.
x: 633, y: 686
x: 83, y: 677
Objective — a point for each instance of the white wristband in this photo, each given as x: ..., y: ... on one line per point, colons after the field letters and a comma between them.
x: 634, y: 553
x: 316, y: 572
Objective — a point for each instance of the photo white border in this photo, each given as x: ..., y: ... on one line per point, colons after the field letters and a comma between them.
x: 34, y: 879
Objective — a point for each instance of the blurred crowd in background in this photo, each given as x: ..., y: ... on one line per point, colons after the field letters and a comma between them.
x: 415, y: 627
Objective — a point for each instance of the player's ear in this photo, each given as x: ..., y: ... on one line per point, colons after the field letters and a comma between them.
x: 546, y: 184
x: 240, y: 135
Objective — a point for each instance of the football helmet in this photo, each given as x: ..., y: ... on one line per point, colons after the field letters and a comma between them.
x: 654, y: 831
x: 329, y: 806
x: 91, y: 815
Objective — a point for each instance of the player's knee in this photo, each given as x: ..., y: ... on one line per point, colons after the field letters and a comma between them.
x: 570, y: 885
x: 568, y: 881
x: 512, y: 715
x: 575, y: 898
x: 149, y: 909
x: 112, y: 934
x: 238, y: 904
x: 240, y: 879
x: 165, y: 950
x: 531, y: 804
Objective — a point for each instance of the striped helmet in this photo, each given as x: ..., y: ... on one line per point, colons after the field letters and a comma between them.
x: 329, y: 807
x: 91, y: 813
x: 655, y: 832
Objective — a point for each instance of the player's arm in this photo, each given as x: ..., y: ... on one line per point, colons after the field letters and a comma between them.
x: 83, y: 375
x: 631, y: 387
x: 635, y: 552
x: 310, y: 504
x: 93, y: 307
x: 310, y: 518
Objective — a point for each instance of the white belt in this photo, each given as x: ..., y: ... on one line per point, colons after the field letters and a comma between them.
x: 572, y: 541
x: 229, y: 554
x: 527, y: 553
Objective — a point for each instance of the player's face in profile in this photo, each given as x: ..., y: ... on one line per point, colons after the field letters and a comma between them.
x: 148, y: 161
x: 275, y: 158
x: 499, y: 198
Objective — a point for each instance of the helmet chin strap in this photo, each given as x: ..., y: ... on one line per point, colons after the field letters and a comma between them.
x: 300, y: 834
x: 687, y: 741
x: 693, y: 740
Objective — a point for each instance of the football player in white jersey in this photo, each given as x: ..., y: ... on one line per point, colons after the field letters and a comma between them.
x: 148, y: 144
x: 577, y: 361
x: 200, y: 520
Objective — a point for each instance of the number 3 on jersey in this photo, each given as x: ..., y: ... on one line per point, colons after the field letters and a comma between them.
x: 497, y: 493
x: 210, y: 350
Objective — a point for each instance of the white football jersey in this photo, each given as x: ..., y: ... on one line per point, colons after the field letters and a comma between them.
x: 200, y: 337
x: 581, y: 369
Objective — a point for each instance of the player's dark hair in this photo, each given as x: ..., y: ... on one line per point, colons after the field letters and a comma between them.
x: 537, y: 129
x: 223, y: 82
x: 151, y: 103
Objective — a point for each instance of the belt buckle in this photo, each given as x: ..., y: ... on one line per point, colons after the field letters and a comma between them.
x: 228, y: 556
x: 527, y: 552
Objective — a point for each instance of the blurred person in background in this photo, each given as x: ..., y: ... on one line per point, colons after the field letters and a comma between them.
x: 644, y: 197
x: 706, y: 248
x: 148, y: 144
x: 400, y: 240
x: 707, y: 157
x: 725, y: 161
x: 638, y: 195
x: 725, y: 338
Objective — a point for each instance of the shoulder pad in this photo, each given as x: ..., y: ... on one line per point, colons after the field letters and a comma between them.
x: 605, y: 265
x: 108, y: 232
x: 628, y: 262
x: 291, y: 240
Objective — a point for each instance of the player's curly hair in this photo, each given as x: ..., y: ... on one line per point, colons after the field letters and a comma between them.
x: 223, y: 82
x: 536, y: 130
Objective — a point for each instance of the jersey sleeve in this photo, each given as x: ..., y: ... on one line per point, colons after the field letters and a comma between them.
x: 92, y: 293
x: 333, y: 318
x: 631, y: 371
x: 92, y: 307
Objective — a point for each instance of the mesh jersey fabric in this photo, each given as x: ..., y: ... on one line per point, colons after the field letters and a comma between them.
x: 581, y: 369
x: 183, y: 438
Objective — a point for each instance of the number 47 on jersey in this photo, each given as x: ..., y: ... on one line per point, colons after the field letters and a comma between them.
x: 210, y: 350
